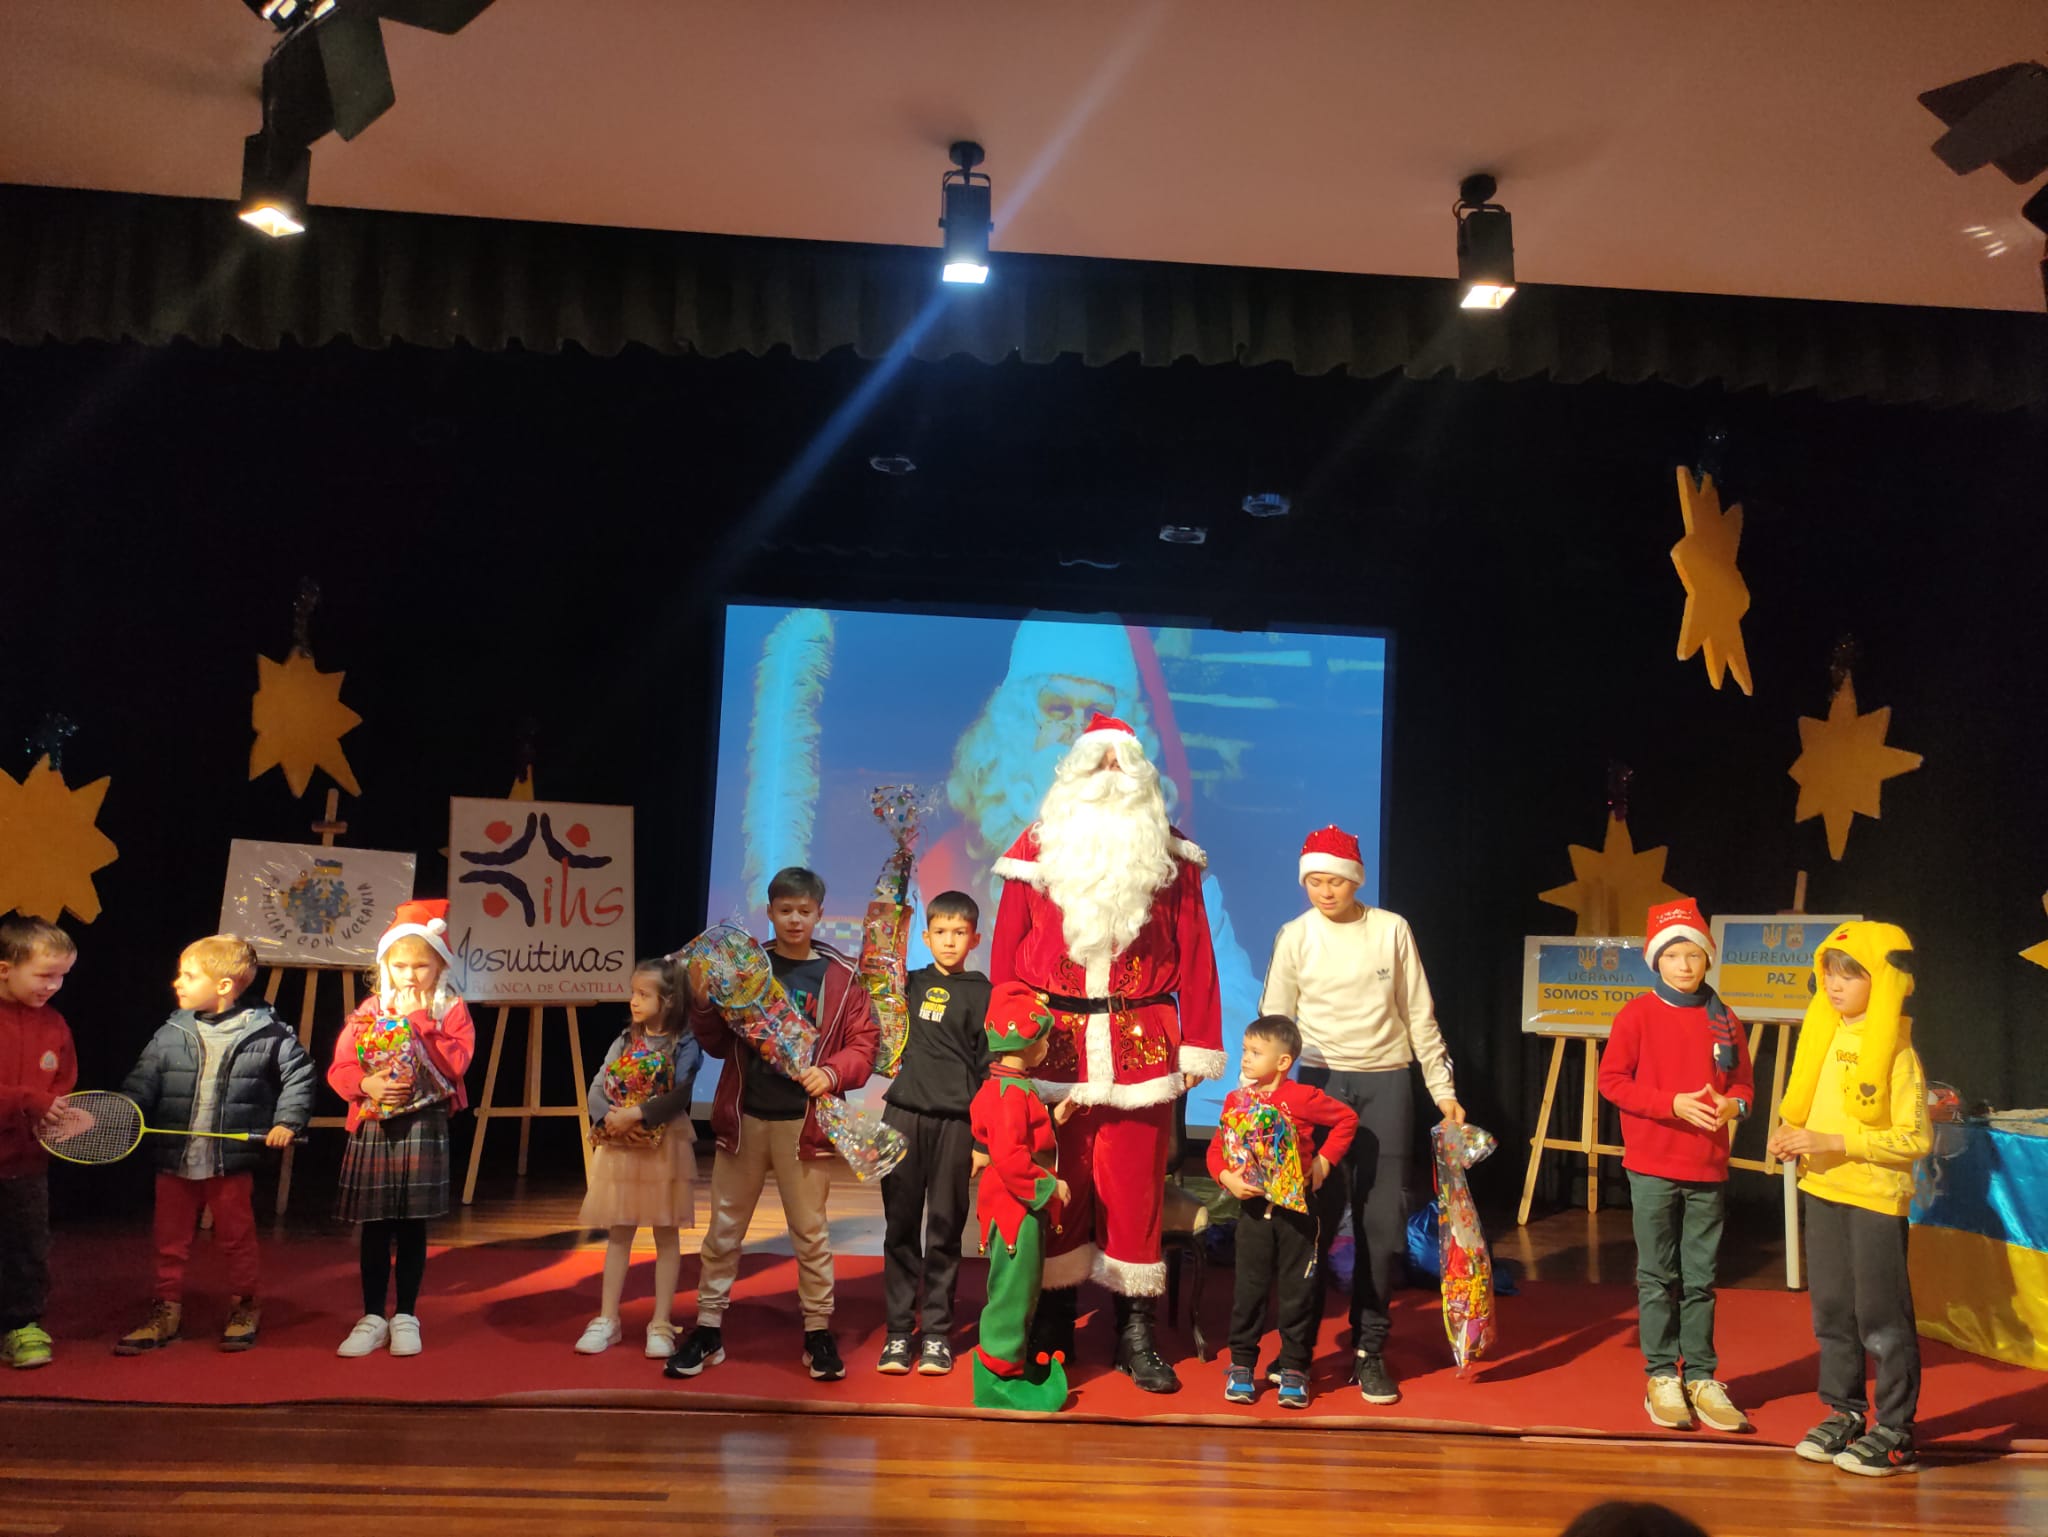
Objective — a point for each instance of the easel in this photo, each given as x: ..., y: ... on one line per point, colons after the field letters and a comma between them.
x: 1588, y: 1140
x: 329, y: 827
x: 530, y: 1107
x: 1795, y: 1262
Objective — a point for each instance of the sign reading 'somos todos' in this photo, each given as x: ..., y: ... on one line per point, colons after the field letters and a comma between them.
x: 540, y: 901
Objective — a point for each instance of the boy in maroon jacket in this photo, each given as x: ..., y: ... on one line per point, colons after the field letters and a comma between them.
x: 762, y: 1121
x: 1678, y: 1069
x: 1275, y: 1243
x: 37, y: 1069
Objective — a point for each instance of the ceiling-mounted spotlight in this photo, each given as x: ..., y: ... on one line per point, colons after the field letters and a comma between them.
x: 1997, y: 118
x: 1182, y: 533
x: 892, y: 464
x: 1486, y: 245
x: 966, y: 199
x: 274, y: 176
x: 281, y: 14
x: 1268, y: 504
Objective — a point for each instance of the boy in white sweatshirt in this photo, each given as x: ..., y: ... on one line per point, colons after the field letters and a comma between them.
x: 1350, y: 978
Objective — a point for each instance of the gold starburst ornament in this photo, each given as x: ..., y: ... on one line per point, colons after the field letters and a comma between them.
x: 1615, y: 886
x: 2038, y: 954
x: 1843, y: 763
x: 1716, y: 597
x: 50, y: 844
x: 300, y: 721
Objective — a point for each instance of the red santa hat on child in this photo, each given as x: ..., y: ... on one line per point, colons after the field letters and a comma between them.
x: 1670, y: 922
x: 419, y: 920
x: 1332, y: 851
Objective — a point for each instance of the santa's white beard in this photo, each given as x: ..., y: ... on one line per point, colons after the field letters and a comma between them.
x: 1103, y: 853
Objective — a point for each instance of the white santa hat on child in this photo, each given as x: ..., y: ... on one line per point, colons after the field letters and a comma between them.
x: 1670, y: 922
x: 1332, y: 851
x: 419, y: 920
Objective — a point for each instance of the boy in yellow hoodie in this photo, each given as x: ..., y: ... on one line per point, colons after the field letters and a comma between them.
x: 1855, y: 1116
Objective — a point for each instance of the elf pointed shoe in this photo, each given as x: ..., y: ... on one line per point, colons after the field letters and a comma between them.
x: 1052, y: 1324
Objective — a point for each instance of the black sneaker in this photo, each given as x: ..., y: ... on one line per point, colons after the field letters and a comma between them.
x: 704, y: 1347
x: 1880, y: 1454
x: 896, y: 1356
x: 821, y: 1355
x: 1830, y: 1438
x: 1375, y: 1383
x: 936, y: 1358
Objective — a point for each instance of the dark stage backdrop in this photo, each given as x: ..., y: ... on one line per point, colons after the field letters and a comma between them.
x: 510, y: 535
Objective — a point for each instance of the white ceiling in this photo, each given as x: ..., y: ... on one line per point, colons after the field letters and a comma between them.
x: 1725, y: 146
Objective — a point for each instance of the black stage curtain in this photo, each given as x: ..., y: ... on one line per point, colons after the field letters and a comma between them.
x: 92, y: 266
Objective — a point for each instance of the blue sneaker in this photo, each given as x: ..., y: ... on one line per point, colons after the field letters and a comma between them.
x: 1238, y: 1387
x: 1294, y: 1390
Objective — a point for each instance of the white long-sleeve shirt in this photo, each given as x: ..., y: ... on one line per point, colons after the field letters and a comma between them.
x: 1359, y: 995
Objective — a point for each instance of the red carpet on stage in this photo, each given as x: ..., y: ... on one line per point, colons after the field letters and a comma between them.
x: 499, y: 1321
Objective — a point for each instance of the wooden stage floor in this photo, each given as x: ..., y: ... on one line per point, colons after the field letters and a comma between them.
x: 149, y: 1472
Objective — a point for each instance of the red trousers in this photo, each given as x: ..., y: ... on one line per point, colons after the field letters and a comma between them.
x: 1114, y: 1162
x: 178, y: 1202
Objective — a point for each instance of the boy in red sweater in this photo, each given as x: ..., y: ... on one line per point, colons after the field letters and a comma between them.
x: 37, y: 1069
x: 1677, y: 1068
x: 1277, y: 1243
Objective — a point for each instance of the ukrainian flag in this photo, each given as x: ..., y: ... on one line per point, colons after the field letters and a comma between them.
x: 1979, y: 1256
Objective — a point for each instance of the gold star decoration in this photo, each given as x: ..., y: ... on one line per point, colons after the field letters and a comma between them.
x: 2038, y: 954
x: 1716, y: 597
x: 50, y: 845
x: 1616, y: 887
x: 1842, y: 764
x: 300, y: 721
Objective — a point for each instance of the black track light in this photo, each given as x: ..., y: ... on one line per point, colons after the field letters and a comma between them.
x: 966, y: 200
x: 1486, y: 245
x: 274, y: 176
x: 1997, y: 118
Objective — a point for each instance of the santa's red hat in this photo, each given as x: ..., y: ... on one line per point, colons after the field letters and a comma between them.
x: 1332, y: 851
x: 419, y: 920
x: 1105, y: 731
x: 1670, y: 922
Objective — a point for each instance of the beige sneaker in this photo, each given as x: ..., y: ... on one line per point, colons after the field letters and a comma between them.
x: 1665, y: 1404
x: 1716, y: 1410
x: 159, y: 1331
x: 245, y: 1318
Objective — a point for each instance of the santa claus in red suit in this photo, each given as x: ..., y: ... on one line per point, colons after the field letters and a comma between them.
x: 1102, y: 915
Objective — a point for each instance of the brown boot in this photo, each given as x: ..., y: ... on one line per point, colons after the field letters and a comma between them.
x: 160, y: 1331
x: 243, y: 1318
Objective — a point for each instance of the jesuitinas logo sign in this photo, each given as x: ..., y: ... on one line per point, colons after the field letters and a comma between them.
x: 541, y: 901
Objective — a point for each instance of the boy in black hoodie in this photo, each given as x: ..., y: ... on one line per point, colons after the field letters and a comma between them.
x: 218, y: 1065
x: 945, y: 1058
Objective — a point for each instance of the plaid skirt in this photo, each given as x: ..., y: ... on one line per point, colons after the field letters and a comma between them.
x: 395, y: 1169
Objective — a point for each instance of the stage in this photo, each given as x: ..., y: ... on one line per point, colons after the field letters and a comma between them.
x: 1553, y: 1413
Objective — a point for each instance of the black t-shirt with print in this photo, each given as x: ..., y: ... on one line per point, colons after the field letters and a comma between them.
x: 764, y: 1093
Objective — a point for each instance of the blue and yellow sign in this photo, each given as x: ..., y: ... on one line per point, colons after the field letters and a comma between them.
x: 1764, y: 963
x: 1979, y: 1252
x: 1577, y: 986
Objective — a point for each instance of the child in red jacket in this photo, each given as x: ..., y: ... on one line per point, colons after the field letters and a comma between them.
x: 1276, y: 1243
x: 1677, y: 1067
x: 37, y: 1069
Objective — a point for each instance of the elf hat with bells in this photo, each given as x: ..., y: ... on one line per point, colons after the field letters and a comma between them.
x: 1885, y: 951
x: 1016, y: 1018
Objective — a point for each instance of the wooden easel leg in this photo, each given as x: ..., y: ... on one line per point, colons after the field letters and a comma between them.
x: 1795, y: 1271
x: 582, y: 1085
x: 306, y: 1006
x: 1536, y: 1143
x: 1779, y: 1062
x: 533, y: 1019
x: 1591, y: 1119
x: 483, y: 1109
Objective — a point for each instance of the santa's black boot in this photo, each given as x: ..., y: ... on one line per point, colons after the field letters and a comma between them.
x: 1137, y: 1355
x: 1052, y: 1324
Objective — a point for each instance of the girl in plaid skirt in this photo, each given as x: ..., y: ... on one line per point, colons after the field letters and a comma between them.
x: 399, y: 1065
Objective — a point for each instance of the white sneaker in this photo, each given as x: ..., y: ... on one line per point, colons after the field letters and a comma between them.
x: 661, y: 1341
x: 599, y: 1335
x: 370, y: 1333
x: 405, y: 1334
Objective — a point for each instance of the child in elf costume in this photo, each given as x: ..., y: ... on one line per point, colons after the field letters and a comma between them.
x: 1855, y: 1116
x: 1678, y: 1069
x: 399, y: 1066
x: 1017, y: 1204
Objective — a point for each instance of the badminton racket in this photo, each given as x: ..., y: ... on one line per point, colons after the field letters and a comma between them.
x: 99, y: 1126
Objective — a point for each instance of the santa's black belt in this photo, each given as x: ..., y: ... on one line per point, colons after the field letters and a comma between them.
x: 1117, y: 1004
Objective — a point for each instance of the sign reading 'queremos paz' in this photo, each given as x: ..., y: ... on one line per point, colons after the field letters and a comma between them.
x: 540, y: 898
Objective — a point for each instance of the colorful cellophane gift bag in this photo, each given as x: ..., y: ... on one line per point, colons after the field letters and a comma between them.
x: 1467, y: 1264
x: 635, y: 1076
x: 387, y: 1045
x: 1259, y: 1147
